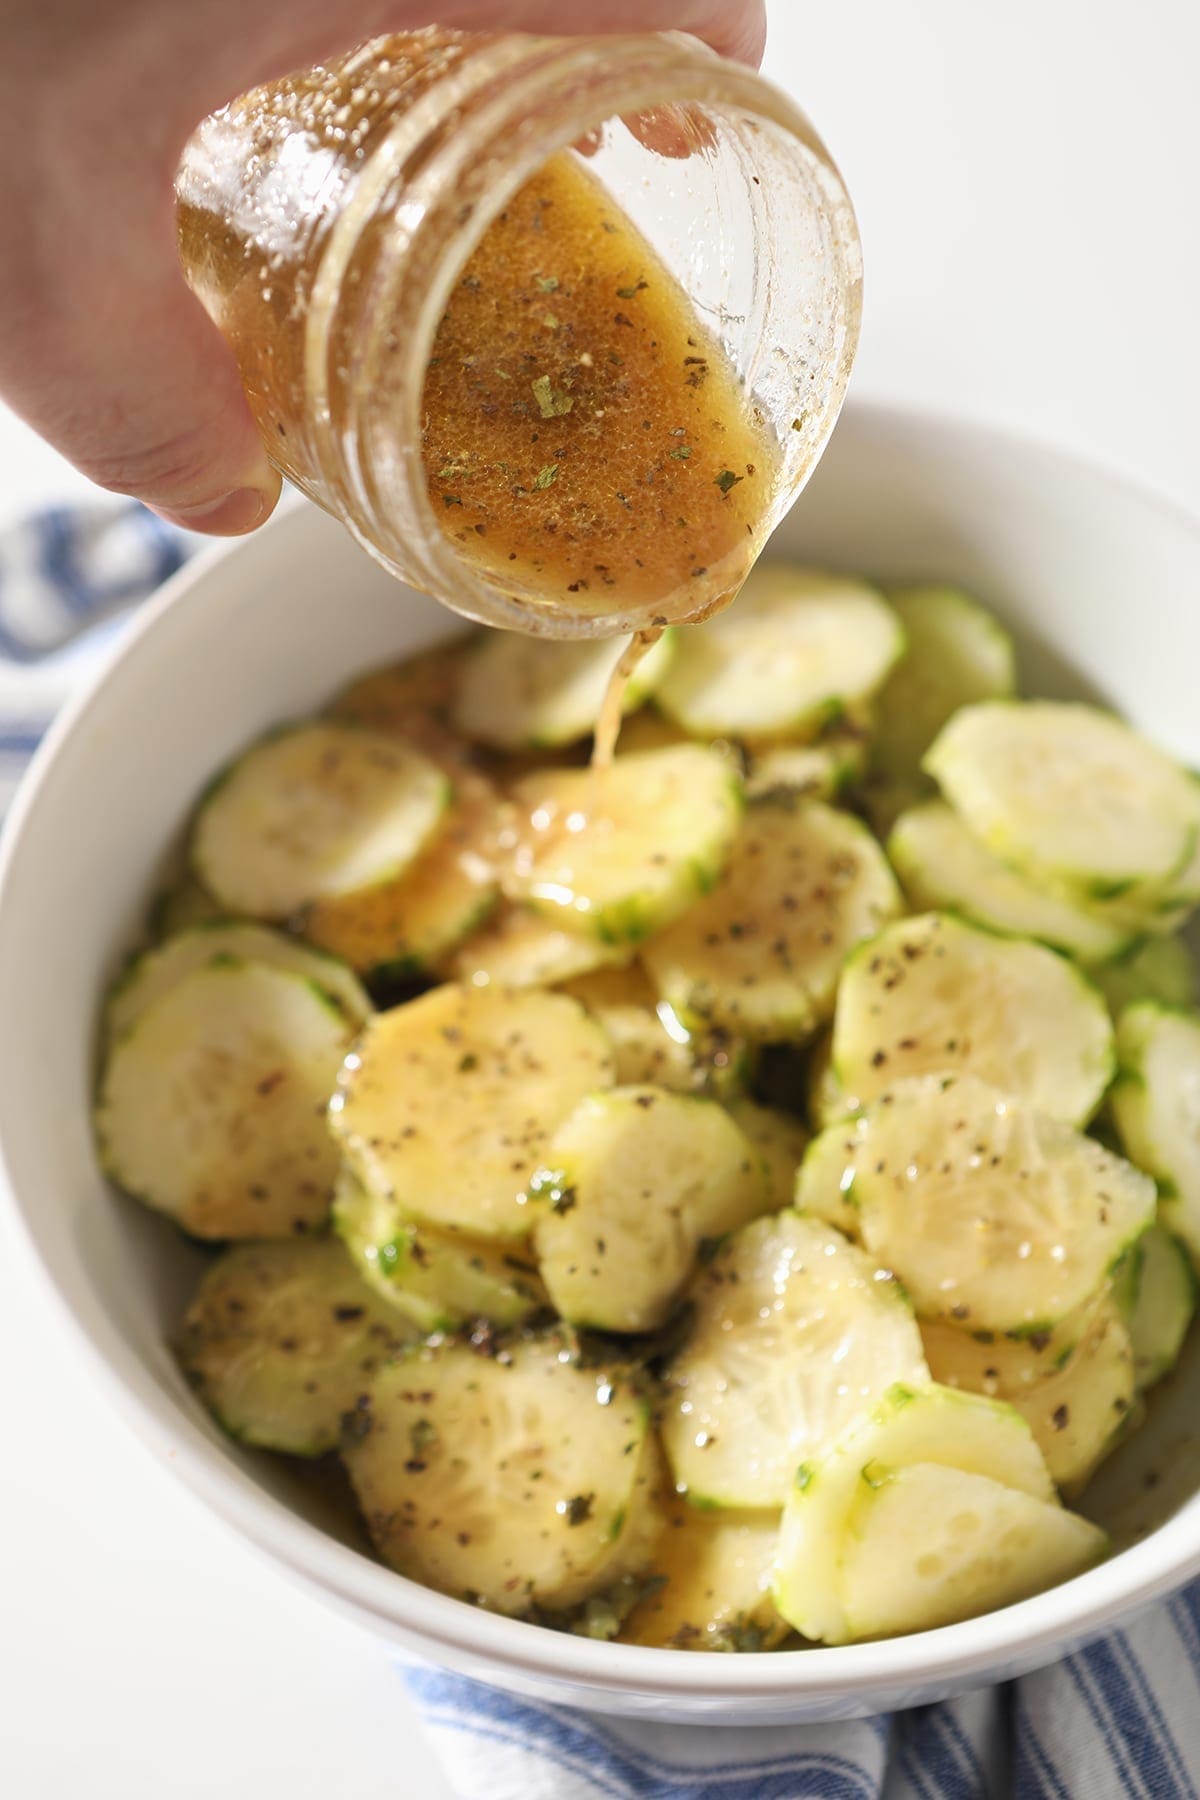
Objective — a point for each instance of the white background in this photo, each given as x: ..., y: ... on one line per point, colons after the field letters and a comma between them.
x: 1026, y: 175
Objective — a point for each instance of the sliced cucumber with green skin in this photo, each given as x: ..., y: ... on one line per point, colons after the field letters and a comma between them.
x: 407, y: 926
x: 711, y: 1576
x: 973, y: 1545
x: 824, y: 1182
x: 957, y: 653
x: 1155, y: 1105
x: 1068, y: 793
x: 780, y: 1140
x: 515, y: 1481
x: 521, y: 692
x: 941, y: 865
x: 912, y: 1423
x: 1079, y: 1413
x: 794, y: 1332
x: 634, y: 1182
x: 517, y: 947
x: 820, y: 771
x: 931, y: 993
x: 437, y: 1279
x: 799, y: 649
x: 212, y: 1104
x: 1074, y: 1386
x: 761, y: 955
x: 282, y: 1338
x: 994, y: 1216
x: 412, y: 699
x: 1003, y: 1365
x: 1159, y: 1311
x: 156, y: 971
x: 618, y: 853
x: 447, y: 1105
x: 651, y: 1043
x: 311, y: 812
x: 828, y: 1101
x: 1158, y: 968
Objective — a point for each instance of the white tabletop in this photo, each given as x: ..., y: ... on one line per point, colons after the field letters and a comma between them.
x: 1025, y: 180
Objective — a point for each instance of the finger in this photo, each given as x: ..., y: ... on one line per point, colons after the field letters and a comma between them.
x: 110, y: 357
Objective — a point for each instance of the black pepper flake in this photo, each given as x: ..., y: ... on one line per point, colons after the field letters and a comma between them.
x: 1060, y: 1417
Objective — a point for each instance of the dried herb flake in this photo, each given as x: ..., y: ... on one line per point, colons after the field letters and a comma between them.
x: 550, y: 404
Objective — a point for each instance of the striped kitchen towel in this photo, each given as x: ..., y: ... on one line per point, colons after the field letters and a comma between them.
x: 1121, y: 1718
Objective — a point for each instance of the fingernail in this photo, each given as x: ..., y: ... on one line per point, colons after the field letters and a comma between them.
x: 229, y: 516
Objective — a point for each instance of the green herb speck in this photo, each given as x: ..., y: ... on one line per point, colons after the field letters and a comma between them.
x: 550, y: 404
x: 546, y: 477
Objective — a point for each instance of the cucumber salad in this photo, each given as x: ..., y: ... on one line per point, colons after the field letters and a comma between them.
x: 728, y: 1200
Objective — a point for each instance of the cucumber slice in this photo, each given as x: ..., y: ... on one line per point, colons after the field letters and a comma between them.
x: 1073, y: 1386
x: 634, y: 1182
x: 521, y: 692
x: 820, y: 771
x: 762, y: 954
x: 448, y: 1103
x: 1155, y: 1104
x: 1160, y: 1311
x: 316, y: 810
x: 411, y: 699
x: 992, y: 1215
x: 281, y: 1339
x: 437, y: 1279
x: 973, y: 1545
x: 926, y: 1424
x: 620, y: 852
x: 1068, y: 793
x: 1079, y: 1413
x: 941, y: 865
x: 824, y: 1183
x: 1003, y: 1365
x: 794, y: 1332
x: 407, y: 926
x: 514, y: 1481
x: 780, y: 1140
x: 712, y: 1584
x: 653, y: 1044
x: 1158, y: 968
x: 930, y: 993
x: 518, y: 948
x: 156, y: 971
x: 828, y: 1101
x: 957, y: 653
x: 798, y: 649
x: 212, y: 1105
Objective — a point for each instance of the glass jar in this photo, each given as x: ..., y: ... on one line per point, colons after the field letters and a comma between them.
x: 325, y: 220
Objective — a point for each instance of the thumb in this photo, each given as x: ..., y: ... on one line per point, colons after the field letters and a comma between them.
x: 109, y: 355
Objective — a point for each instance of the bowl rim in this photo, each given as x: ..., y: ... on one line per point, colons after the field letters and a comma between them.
x: 1022, y: 1635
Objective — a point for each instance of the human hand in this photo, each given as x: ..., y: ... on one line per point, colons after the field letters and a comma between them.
x: 103, y: 348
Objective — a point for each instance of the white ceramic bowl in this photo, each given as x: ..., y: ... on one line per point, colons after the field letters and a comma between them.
x: 1102, y: 586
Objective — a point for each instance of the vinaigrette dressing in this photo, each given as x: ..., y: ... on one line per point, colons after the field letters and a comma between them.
x: 578, y: 417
